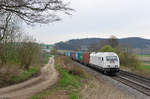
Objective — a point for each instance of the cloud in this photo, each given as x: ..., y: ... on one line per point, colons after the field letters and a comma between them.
x: 98, y: 18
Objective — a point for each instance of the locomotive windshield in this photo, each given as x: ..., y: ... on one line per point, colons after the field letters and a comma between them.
x: 111, y: 58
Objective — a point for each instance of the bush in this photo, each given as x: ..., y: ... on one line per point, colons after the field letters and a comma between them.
x: 106, y: 48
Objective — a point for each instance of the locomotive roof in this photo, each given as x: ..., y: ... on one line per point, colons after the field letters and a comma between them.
x: 104, y: 54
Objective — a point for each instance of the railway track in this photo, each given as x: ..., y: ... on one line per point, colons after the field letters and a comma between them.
x: 137, y: 82
x: 134, y: 81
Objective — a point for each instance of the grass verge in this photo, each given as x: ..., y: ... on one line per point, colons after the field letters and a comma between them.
x: 26, y: 74
x: 143, y: 55
x: 46, y: 58
x: 144, y: 67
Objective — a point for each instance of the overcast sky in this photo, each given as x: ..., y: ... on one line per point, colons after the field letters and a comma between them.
x: 98, y: 18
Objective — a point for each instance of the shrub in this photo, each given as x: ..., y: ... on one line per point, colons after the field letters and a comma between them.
x: 106, y: 48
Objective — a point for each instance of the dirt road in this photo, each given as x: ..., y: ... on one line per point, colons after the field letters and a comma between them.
x: 48, y: 77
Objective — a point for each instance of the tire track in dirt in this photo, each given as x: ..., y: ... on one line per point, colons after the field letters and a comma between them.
x: 47, y: 78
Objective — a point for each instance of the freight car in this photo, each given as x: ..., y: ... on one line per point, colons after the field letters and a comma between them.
x: 107, y: 62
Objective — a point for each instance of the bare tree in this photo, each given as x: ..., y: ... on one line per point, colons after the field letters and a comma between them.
x: 4, y: 25
x: 112, y: 41
x: 10, y: 31
x: 35, y: 11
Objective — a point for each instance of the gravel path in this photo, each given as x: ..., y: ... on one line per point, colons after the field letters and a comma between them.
x: 48, y: 77
x: 128, y: 90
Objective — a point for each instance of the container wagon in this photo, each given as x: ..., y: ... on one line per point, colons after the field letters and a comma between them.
x: 77, y: 56
x: 86, y: 58
x: 73, y: 55
x: 80, y: 57
x: 70, y: 55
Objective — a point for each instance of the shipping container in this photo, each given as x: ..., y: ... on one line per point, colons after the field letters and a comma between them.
x: 70, y: 54
x: 80, y: 57
x: 64, y: 53
x: 76, y: 56
x: 73, y: 55
x: 86, y: 58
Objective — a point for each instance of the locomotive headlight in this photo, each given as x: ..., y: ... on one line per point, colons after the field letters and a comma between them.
x: 116, y: 66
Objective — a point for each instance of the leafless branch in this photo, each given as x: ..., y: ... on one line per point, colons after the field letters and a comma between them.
x: 35, y: 11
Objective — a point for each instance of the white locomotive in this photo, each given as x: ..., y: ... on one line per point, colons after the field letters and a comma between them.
x: 108, y: 62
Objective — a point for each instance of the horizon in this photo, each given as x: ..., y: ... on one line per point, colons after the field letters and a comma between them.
x: 95, y: 38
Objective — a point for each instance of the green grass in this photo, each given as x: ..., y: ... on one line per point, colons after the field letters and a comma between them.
x: 46, y: 58
x: 68, y: 79
x: 25, y: 74
x: 68, y: 82
x: 143, y: 55
x: 145, y: 67
x: 73, y: 96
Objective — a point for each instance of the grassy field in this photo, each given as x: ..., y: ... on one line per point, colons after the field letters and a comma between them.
x: 76, y: 83
x: 145, y: 62
x: 143, y: 69
x: 143, y: 55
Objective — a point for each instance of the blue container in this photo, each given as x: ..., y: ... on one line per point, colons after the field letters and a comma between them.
x: 77, y: 55
x: 67, y: 53
x: 70, y: 54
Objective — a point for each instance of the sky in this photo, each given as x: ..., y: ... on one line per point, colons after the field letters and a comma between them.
x: 97, y: 18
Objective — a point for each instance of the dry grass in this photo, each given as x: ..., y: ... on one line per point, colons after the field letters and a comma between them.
x: 95, y: 89
x: 6, y: 73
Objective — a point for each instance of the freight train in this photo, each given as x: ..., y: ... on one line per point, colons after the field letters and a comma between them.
x: 107, y: 62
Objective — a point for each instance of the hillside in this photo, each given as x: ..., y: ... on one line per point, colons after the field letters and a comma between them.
x: 133, y: 42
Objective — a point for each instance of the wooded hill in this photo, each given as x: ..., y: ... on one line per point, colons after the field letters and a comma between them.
x: 132, y: 42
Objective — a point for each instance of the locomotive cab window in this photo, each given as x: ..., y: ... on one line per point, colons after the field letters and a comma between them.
x: 102, y: 59
x: 111, y: 58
